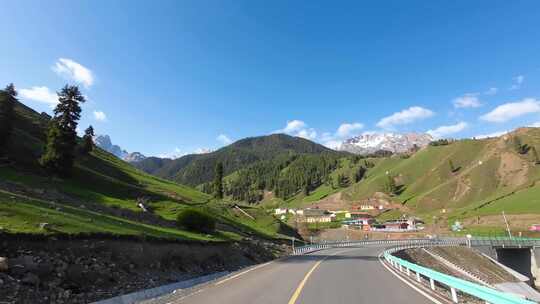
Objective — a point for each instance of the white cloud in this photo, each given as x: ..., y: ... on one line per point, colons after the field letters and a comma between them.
x: 74, y: 71
x: 518, y: 80
x: 512, y: 110
x: 491, y: 91
x: 100, y: 116
x: 405, y: 117
x: 443, y: 131
x: 40, y: 94
x: 224, y: 139
x: 494, y: 134
x: 298, y: 128
x: 348, y: 129
x: 467, y: 101
x: 294, y: 126
x: 535, y: 125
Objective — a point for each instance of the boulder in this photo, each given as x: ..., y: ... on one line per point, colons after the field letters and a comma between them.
x: 3, y: 264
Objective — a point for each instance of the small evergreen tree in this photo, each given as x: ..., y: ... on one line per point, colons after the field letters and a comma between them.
x: 218, y: 181
x: 359, y: 174
x: 87, y: 144
x: 62, y: 135
x: 343, y: 181
x: 7, y: 103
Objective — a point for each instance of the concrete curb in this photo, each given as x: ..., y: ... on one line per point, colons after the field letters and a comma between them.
x: 146, y: 294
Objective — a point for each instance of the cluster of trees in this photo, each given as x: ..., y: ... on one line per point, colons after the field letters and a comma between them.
x: 7, y: 103
x: 439, y: 142
x: 62, y: 143
x: 285, y: 175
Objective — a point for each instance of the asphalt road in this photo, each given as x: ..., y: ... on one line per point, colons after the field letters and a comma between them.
x: 344, y: 275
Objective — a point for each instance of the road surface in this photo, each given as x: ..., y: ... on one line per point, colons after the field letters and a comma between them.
x: 341, y: 275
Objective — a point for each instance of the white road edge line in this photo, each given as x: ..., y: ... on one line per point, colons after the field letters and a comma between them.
x: 242, y: 273
x: 408, y: 283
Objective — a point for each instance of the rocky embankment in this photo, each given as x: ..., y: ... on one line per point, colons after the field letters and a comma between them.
x: 83, y: 270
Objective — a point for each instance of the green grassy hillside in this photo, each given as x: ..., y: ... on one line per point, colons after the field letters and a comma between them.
x: 101, y: 195
x: 489, y: 176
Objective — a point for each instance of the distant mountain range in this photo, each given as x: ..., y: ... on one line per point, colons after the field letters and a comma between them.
x: 393, y: 142
x: 105, y: 143
x: 196, y: 169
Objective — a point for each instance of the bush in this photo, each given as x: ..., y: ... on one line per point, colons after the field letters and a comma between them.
x: 195, y: 220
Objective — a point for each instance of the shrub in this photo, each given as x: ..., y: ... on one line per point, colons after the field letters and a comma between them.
x: 195, y: 220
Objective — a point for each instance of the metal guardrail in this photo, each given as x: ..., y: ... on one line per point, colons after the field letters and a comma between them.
x: 416, y: 242
x: 514, y: 242
x: 484, y: 293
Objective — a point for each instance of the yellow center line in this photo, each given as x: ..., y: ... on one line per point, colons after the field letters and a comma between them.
x: 298, y: 290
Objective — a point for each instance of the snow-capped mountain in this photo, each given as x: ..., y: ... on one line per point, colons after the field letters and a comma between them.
x: 134, y: 157
x: 393, y: 142
x: 105, y: 143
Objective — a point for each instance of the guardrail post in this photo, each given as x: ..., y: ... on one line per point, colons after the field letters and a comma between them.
x: 432, y: 283
x: 454, y: 295
x: 418, y: 277
x: 408, y: 272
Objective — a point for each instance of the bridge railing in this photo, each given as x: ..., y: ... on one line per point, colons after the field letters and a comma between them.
x: 505, y: 241
x: 455, y: 284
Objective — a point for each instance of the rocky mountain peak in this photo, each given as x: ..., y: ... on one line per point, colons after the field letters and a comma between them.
x: 394, y: 142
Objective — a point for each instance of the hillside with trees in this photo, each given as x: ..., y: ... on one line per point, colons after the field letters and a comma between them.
x: 54, y: 182
x: 197, y: 169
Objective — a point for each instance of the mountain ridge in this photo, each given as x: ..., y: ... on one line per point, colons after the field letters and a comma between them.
x: 196, y: 169
x: 393, y: 142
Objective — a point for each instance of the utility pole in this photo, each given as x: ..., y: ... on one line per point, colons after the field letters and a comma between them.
x: 507, y: 226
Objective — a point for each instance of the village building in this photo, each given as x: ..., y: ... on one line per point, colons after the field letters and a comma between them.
x: 318, y: 216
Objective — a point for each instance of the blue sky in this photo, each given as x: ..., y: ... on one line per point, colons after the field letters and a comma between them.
x: 172, y: 77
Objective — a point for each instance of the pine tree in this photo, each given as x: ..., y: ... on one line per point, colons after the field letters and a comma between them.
x: 88, y: 141
x: 218, y: 181
x: 62, y: 135
x: 7, y: 103
x: 359, y: 174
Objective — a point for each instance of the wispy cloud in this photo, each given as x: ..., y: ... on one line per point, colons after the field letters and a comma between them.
x: 298, y: 128
x: 518, y: 80
x: 444, y: 131
x: 406, y: 116
x: 348, y: 129
x: 224, y: 139
x: 40, y: 94
x: 512, y: 110
x: 100, y: 116
x: 73, y: 70
x: 469, y: 100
